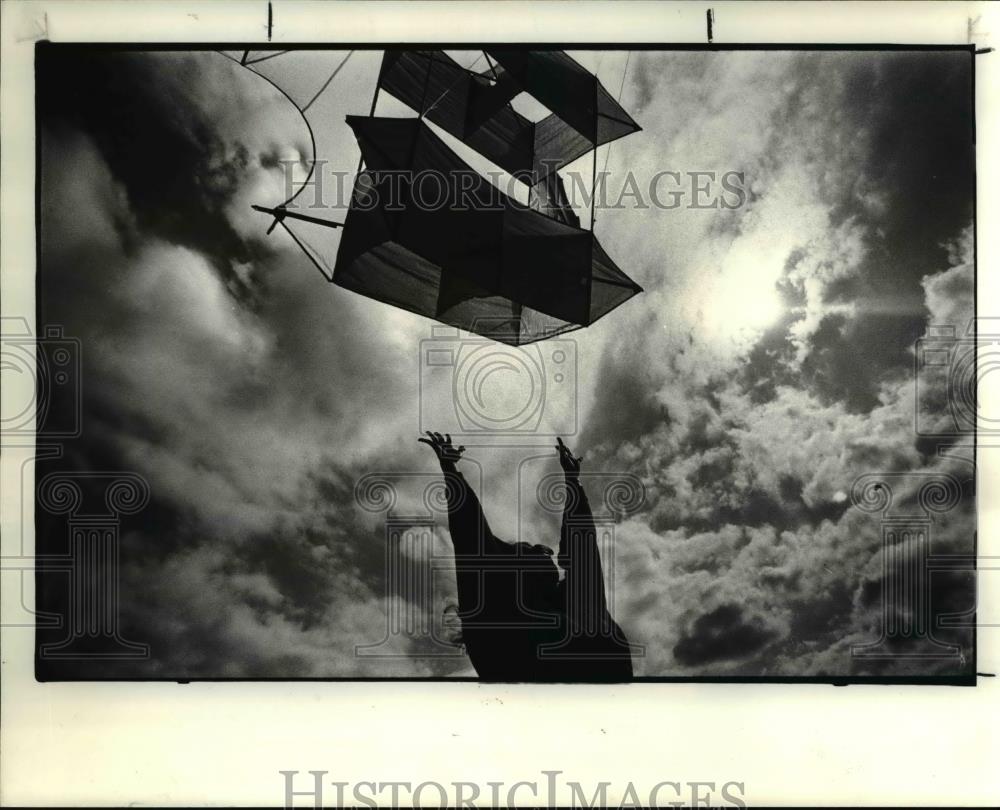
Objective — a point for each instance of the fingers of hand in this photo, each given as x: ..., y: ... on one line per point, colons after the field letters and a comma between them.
x: 441, y: 444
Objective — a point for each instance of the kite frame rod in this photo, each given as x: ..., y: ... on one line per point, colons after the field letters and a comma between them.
x: 371, y: 113
x: 593, y: 167
x: 280, y: 213
x: 450, y: 63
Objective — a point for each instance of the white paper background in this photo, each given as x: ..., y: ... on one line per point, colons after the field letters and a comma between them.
x: 223, y: 744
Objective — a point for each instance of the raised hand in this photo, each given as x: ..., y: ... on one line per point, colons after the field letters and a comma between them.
x: 442, y: 447
x: 569, y: 462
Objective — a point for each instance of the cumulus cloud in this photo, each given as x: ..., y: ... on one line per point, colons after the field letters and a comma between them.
x: 767, y: 366
x: 250, y: 407
x: 749, y: 442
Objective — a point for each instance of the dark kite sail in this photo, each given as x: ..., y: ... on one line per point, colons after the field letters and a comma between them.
x: 481, y: 261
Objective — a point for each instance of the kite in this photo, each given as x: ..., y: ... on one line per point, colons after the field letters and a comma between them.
x: 483, y: 262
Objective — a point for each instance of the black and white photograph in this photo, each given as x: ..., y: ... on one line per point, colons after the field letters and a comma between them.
x: 606, y: 364
x: 519, y: 402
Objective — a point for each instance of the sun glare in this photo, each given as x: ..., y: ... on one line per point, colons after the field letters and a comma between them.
x: 742, y: 302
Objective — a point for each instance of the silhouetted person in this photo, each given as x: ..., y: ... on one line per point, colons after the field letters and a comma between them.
x: 520, y: 622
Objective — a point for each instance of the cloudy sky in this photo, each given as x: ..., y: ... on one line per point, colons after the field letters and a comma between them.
x: 767, y: 365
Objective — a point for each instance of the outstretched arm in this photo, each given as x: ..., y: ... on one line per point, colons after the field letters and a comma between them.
x: 470, y: 533
x: 578, y: 552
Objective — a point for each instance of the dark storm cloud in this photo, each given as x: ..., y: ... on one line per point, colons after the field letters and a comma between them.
x: 177, y: 172
x: 721, y: 634
x: 898, y: 157
x: 851, y: 356
x: 748, y: 457
x: 252, y: 396
x: 883, y: 142
x: 252, y: 557
x: 626, y: 400
x: 290, y: 599
x: 769, y: 363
